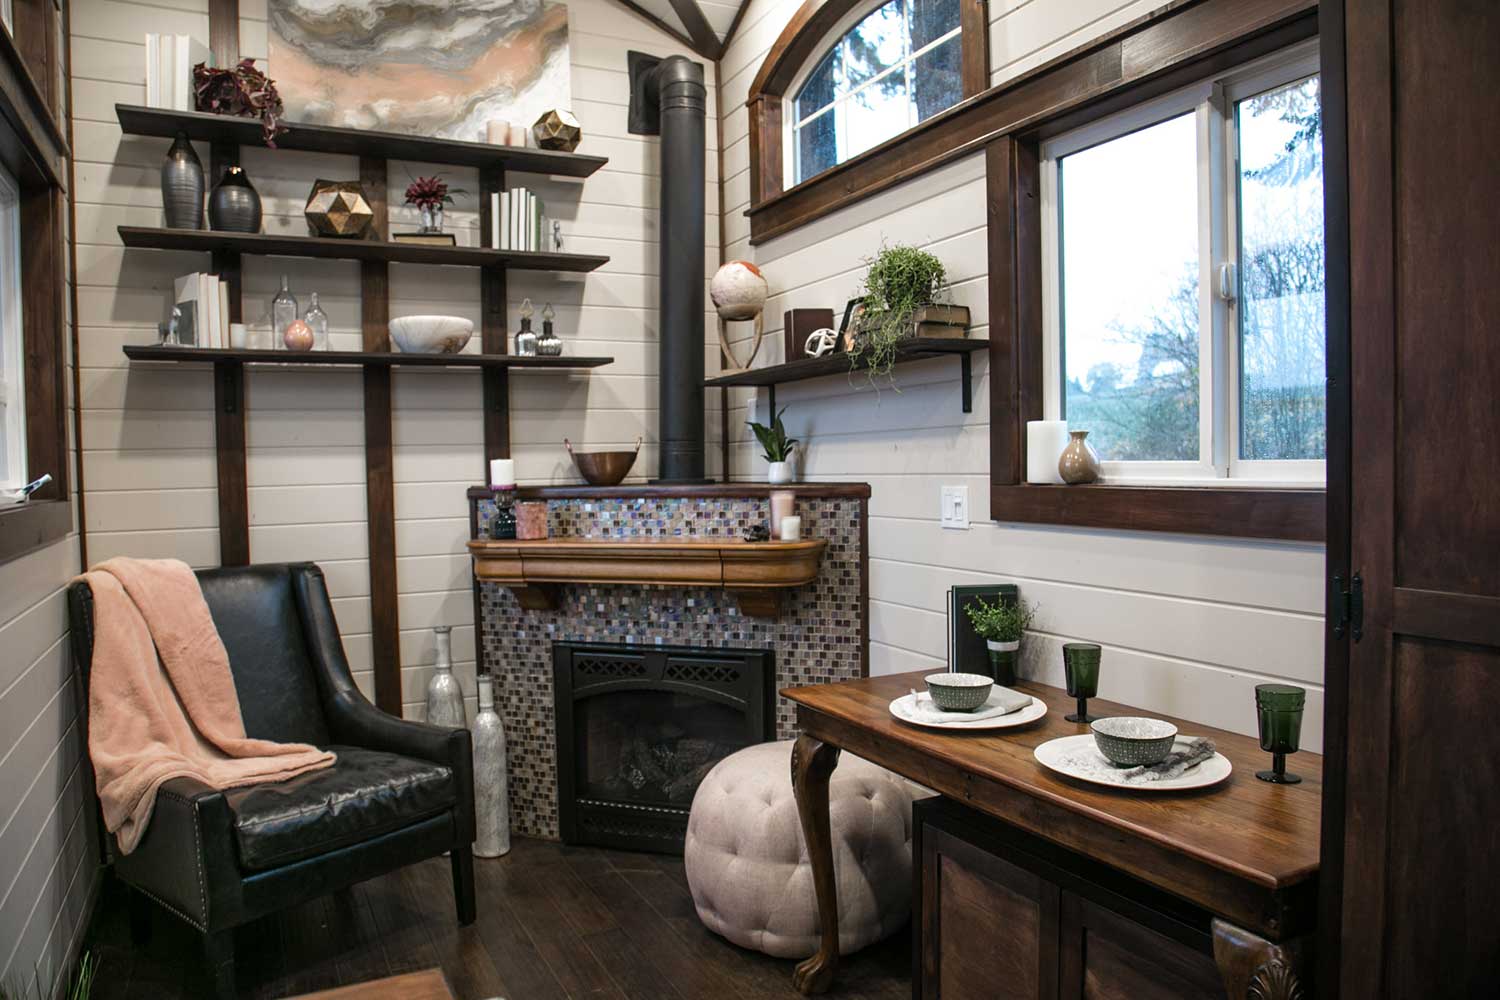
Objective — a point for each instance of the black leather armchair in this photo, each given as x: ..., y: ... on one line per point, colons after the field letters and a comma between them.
x: 400, y: 791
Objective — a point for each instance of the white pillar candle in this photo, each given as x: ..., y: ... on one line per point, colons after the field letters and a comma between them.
x: 497, y: 133
x: 519, y: 135
x: 791, y: 528
x: 238, y: 339
x: 1045, y: 441
x: 502, y: 472
x: 782, y: 502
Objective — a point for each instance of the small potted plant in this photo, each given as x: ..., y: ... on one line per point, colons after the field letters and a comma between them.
x: 242, y: 91
x: 778, y: 448
x: 429, y: 195
x: 1001, y: 626
x: 900, y: 281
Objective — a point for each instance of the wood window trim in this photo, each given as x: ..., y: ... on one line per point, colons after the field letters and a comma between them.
x: 804, y: 38
x: 33, y: 149
x: 1012, y: 169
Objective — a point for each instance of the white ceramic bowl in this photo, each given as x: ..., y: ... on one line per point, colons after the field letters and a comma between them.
x: 431, y: 334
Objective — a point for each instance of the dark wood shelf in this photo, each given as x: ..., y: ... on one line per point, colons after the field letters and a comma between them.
x: 137, y: 120
x: 208, y: 240
x: 916, y: 349
x: 363, y: 359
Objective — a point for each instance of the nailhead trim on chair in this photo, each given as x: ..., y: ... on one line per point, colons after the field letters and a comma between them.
x: 198, y: 860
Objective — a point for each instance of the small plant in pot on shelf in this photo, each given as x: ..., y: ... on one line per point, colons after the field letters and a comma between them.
x: 242, y: 91
x: 777, y: 446
x: 1001, y: 626
x: 429, y: 195
x: 900, y: 281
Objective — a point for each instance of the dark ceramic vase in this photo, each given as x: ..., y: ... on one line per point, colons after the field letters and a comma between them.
x: 182, y: 186
x: 234, y: 205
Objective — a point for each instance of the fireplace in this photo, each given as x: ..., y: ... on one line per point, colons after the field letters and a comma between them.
x: 639, y: 726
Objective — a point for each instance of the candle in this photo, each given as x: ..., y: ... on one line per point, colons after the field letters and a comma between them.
x: 497, y: 133
x: 238, y: 338
x: 782, y: 502
x: 531, y: 520
x: 1045, y: 441
x: 502, y: 473
x: 791, y: 528
x: 519, y: 135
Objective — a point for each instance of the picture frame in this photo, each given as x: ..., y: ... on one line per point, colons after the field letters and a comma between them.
x: 853, y: 310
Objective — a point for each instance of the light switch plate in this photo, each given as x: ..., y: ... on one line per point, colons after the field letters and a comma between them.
x: 954, y: 504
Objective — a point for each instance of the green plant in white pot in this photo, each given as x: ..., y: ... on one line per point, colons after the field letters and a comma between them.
x: 899, y: 281
x: 1001, y: 625
x: 778, y: 448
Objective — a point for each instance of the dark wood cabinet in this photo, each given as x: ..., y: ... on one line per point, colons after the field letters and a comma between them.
x: 1003, y: 915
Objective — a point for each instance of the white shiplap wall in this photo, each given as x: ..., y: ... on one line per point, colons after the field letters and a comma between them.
x: 148, y: 434
x: 1189, y: 624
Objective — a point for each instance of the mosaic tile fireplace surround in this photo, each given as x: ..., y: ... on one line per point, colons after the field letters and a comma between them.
x: 821, y: 634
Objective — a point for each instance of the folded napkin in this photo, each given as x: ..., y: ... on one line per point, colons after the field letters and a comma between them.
x: 1185, y: 754
x: 1002, y: 701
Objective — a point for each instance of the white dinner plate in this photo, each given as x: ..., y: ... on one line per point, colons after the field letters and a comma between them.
x: 901, y: 708
x: 1079, y: 757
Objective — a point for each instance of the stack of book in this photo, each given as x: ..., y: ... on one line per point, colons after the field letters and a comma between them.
x: 203, y: 303
x: 516, y: 220
x: 169, y: 70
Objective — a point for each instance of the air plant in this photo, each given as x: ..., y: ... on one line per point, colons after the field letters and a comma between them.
x: 242, y: 91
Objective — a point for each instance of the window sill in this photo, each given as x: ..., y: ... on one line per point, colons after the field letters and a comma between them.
x: 29, y: 526
x: 1237, y: 512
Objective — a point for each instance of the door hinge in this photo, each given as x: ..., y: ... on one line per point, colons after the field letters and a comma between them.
x: 1349, y: 607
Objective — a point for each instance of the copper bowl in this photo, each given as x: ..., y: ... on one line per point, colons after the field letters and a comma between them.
x: 603, y: 468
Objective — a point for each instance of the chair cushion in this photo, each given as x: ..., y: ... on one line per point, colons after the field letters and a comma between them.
x: 748, y: 870
x: 363, y: 795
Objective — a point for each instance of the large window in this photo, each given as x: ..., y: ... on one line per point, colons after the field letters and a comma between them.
x: 897, y: 66
x: 12, y: 348
x: 1183, y: 282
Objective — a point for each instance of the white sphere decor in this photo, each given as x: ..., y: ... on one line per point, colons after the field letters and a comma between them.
x: 431, y: 334
x: 739, y: 290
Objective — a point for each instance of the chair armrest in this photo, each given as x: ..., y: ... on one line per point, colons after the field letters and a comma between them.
x: 355, y: 722
x: 186, y: 860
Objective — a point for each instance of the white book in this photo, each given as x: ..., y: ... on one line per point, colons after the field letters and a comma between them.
x: 502, y: 239
x: 164, y: 58
x: 223, y: 312
x: 185, y: 298
x: 531, y: 221
x: 153, y: 71
x: 208, y: 310
x: 494, y: 233
x: 189, y: 52
x: 515, y: 215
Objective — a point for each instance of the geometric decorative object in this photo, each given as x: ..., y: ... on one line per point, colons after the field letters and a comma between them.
x: 338, y: 208
x: 557, y: 129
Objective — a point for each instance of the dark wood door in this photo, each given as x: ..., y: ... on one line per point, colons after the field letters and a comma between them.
x: 1420, y: 897
x: 1108, y: 957
x: 988, y: 930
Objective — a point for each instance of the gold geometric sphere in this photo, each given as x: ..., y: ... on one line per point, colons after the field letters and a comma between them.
x: 557, y: 129
x: 338, y: 208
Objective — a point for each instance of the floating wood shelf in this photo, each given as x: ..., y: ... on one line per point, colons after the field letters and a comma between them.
x: 754, y: 572
x: 137, y: 120
x: 916, y: 349
x: 373, y: 250
x: 386, y: 359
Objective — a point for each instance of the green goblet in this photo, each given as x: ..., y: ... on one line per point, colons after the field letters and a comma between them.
x: 1279, y: 712
x: 1081, y: 669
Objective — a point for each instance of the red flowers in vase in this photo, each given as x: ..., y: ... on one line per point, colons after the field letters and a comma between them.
x: 244, y: 92
x: 428, y: 193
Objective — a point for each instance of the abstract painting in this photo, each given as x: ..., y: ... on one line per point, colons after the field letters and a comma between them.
x: 423, y: 67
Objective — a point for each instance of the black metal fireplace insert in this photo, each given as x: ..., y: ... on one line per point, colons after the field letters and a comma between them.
x: 638, y: 727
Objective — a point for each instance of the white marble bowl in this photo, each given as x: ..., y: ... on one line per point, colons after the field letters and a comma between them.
x: 431, y: 334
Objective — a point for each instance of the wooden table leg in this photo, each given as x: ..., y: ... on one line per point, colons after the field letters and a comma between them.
x: 1257, y: 969
x: 813, y: 762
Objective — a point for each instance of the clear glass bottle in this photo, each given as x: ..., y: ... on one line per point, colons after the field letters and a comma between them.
x: 316, y: 318
x: 549, y: 344
x: 491, y: 795
x: 283, y: 312
x: 445, y: 698
x: 526, y: 337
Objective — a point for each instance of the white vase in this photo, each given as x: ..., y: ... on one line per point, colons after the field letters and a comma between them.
x: 779, y: 473
x: 491, y: 795
x: 445, y: 698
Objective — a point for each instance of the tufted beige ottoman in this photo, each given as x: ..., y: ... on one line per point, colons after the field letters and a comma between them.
x: 748, y: 869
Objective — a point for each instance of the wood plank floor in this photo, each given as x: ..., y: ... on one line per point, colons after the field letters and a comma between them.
x: 555, y: 923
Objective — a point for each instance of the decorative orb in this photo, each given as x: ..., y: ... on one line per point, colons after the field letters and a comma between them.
x: 298, y: 336
x: 338, y: 208
x: 739, y: 290
x: 557, y: 129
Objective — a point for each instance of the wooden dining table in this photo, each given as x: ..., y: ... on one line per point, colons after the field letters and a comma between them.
x: 1245, y: 851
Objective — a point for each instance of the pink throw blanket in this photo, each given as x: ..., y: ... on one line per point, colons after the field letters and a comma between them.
x: 162, y: 702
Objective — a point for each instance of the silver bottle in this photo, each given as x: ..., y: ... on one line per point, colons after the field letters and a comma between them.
x: 491, y: 795
x: 445, y: 698
x: 549, y: 344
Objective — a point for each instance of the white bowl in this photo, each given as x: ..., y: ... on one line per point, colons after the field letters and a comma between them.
x: 431, y: 334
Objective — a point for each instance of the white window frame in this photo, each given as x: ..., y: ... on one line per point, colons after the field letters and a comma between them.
x: 792, y: 127
x: 12, y: 337
x: 1212, y: 104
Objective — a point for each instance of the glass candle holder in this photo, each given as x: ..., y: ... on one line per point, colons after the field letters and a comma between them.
x: 1081, y: 670
x: 503, y: 525
x: 1278, y: 709
x: 531, y: 520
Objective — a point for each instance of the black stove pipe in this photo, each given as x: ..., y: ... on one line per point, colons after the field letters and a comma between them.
x: 668, y: 96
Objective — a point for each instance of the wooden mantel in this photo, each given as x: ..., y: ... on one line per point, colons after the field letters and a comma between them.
x: 754, y: 572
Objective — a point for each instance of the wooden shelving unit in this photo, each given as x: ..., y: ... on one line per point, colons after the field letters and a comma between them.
x: 226, y: 135
x: 918, y: 349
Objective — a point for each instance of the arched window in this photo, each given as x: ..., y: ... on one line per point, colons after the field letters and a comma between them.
x: 893, y: 68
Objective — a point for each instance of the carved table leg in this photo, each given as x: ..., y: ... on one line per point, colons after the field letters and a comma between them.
x: 1257, y: 969
x: 813, y: 762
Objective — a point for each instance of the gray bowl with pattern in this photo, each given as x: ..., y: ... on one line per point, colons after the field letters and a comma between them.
x: 1129, y: 741
x: 959, y: 692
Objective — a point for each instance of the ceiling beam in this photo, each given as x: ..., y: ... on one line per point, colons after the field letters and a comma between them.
x: 658, y: 23
x: 705, y: 42
x: 734, y: 26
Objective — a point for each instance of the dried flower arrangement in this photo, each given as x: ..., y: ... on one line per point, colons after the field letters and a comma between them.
x: 242, y: 91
